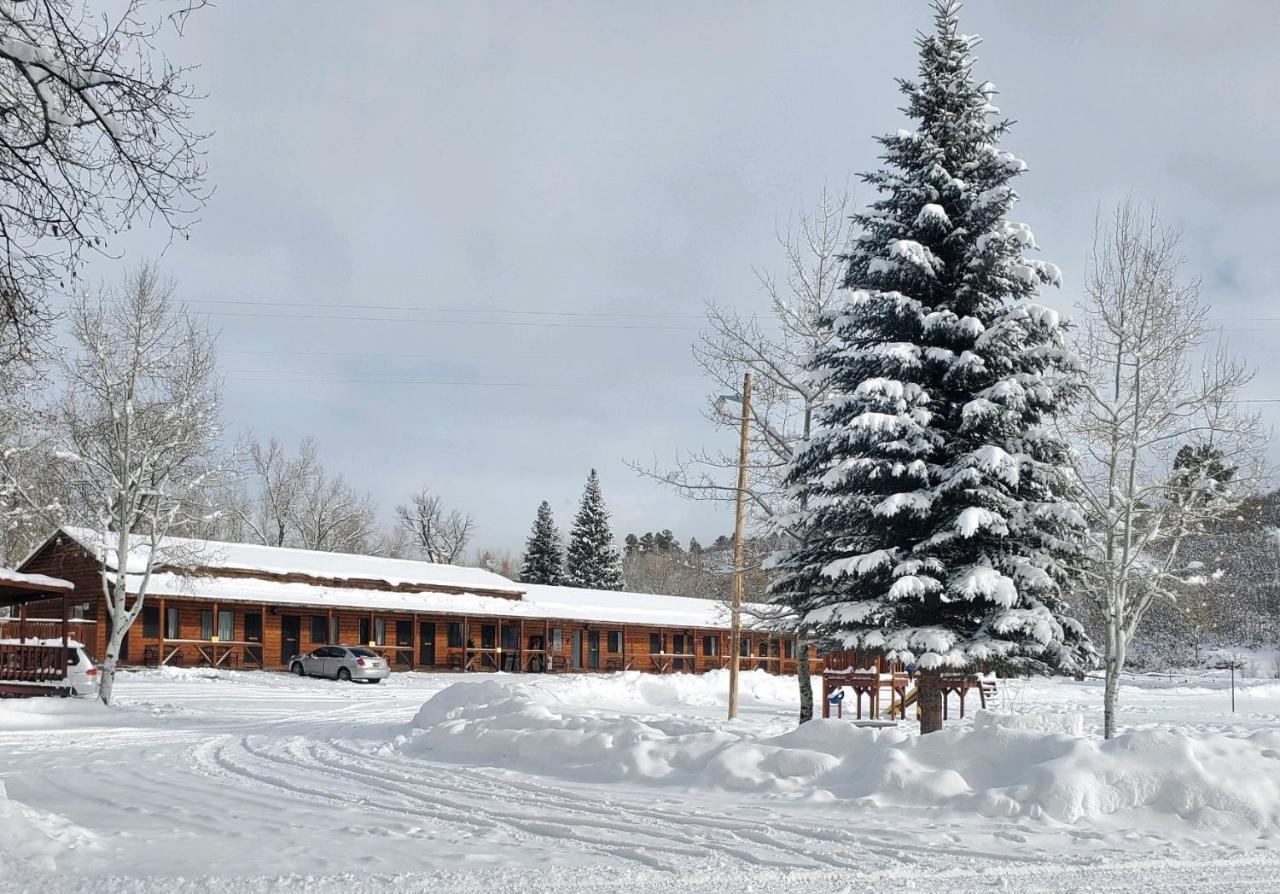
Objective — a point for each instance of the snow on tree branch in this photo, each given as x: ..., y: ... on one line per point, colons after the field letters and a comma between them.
x: 94, y: 133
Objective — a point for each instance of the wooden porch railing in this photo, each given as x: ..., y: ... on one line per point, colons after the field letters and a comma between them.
x: 25, y: 663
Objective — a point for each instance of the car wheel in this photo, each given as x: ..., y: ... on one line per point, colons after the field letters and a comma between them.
x: 376, y: 680
x: 344, y: 675
x: 297, y: 669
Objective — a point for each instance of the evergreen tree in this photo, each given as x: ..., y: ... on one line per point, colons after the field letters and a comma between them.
x: 593, y: 562
x: 543, y: 562
x: 937, y: 516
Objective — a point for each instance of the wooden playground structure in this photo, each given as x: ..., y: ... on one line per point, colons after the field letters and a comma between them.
x: 871, y: 678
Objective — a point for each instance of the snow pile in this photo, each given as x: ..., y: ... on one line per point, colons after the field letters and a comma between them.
x: 54, y: 713
x: 1032, y: 767
x: 33, y: 839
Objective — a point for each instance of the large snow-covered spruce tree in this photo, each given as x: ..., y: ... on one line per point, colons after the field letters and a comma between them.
x: 543, y: 561
x: 938, y: 523
x: 593, y: 561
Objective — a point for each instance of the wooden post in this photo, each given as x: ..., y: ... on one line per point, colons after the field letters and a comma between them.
x: 740, y: 504
x: 66, y: 621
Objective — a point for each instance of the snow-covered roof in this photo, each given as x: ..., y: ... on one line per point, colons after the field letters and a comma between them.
x: 33, y: 581
x: 342, y: 580
x: 539, y: 602
x: 275, y: 560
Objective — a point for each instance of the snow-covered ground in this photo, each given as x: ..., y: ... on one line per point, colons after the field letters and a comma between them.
x: 223, y: 781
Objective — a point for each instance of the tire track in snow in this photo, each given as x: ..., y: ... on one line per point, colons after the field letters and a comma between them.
x: 227, y: 757
x: 342, y: 775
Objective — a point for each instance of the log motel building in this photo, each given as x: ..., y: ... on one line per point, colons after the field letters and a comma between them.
x: 234, y: 605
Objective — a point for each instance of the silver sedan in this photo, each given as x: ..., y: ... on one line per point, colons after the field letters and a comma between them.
x: 342, y: 663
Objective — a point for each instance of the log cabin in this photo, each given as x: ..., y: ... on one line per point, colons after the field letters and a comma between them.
x: 234, y: 605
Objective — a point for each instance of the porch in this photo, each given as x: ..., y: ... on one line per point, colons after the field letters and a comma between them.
x: 33, y: 653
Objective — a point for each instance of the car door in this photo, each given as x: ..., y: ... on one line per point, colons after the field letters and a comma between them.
x: 313, y: 662
x: 336, y: 659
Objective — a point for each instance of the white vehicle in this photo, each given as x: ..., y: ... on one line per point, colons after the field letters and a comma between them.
x: 81, y: 673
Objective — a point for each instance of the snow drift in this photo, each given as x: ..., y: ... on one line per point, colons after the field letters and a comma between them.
x: 1031, y: 766
x: 35, y: 839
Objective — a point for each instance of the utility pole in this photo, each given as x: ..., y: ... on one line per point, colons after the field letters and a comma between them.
x: 735, y: 619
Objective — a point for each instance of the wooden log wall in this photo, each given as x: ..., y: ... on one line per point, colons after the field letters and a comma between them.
x: 683, y: 648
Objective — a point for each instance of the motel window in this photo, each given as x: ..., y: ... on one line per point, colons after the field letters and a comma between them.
x: 453, y: 635
x: 380, y: 631
x: 206, y: 623
x: 655, y: 643
x: 791, y: 648
x: 615, y: 642
x: 253, y: 627
x: 333, y: 630
x: 744, y: 647
x: 557, y: 639
x: 171, y: 623
x: 366, y: 635
x: 764, y: 649
x: 226, y: 626
x: 709, y: 646
x: 150, y: 622
x: 319, y: 629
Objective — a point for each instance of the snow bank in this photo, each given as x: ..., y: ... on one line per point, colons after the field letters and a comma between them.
x: 54, y: 713
x: 1036, y: 767
x: 34, y: 839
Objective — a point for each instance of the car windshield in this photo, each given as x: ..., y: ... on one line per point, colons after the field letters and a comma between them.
x: 364, y: 653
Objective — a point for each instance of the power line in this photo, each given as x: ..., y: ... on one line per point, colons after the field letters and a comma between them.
x: 520, y: 323
x: 459, y: 383
x: 454, y: 310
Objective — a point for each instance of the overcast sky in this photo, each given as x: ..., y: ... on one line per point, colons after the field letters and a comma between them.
x: 480, y: 194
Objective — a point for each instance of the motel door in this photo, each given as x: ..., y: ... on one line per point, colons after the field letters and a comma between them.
x: 593, y: 650
x: 681, y: 645
x: 404, y: 643
x: 426, y: 643
x: 290, y: 636
x: 575, y: 650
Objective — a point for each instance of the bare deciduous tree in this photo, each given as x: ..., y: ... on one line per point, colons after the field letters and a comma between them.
x: 783, y: 396
x: 440, y: 535
x: 135, y: 434
x: 94, y: 131
x: 334, y: 516
x: 1164, y: 446
x: 299, y: 504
